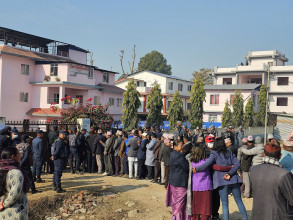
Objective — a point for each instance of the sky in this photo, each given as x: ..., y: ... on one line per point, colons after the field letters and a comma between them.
x: 191, y: 34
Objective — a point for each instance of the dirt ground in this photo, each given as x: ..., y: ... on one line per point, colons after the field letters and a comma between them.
x: 115, y: 194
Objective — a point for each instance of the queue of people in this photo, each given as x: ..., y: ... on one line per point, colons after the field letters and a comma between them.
x: 198, y: 170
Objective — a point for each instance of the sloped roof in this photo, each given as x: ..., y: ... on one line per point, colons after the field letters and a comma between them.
x: 110, y: 88
x: 233, y: 87
x: 162, y: 74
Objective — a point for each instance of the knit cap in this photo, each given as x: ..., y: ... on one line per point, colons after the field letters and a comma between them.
x: 250, y: 138
x: 244, y: 140
x: 270, y: 136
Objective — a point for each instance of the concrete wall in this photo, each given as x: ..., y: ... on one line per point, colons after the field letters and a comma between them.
x: 274, y: 87
x: 275, y: 108
x: 219, y: 80
x: 78, y: 56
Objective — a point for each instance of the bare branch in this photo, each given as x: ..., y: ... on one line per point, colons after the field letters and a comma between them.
x: 121, y: 60
x: 133, y: 59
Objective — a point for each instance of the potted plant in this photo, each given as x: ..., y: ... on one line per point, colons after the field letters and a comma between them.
x: 47, y: 78
x: 57, y: 79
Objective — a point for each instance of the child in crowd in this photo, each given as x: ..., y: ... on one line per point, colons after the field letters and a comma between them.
x: 177, y: 189
x: 201, y: 186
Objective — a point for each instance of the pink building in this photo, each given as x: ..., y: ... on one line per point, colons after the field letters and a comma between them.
x: 35, y: 72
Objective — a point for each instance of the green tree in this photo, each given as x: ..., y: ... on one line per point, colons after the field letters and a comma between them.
x: 130, y: 105
x: 205, y: 75
x: 197, y: 97
x: 155, y: 105
x: 154, y: 61
x: 248, y: 114
x: 237, y: 117
x: 176, y: 111
x: 260, y: 115
x: 227, y: 115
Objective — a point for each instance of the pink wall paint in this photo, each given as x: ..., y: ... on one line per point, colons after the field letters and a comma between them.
x: 78, y: 56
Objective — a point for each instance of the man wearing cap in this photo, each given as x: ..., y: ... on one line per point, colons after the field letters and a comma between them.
x: 4, y: 140
x: 52, y: 136
x: 178, y: 130
x: 24, y: 150
x: 82, y: 149
x: 59, y: 157
x: 287, y: 153
x: 187, y: 145
x: 239, y: 136
x: 232, y: 134
x: 108, y: 153
x: 157, y: 167
x: 150, y: 162
x: 272, y: 187
x: 270, y: 138
x: 132, y: 154
x: 38, y: 156
x: 165, y: 154
x: 74, y: 143
x: 231, y: 147
x: 14, y: 137
x: 141, y: 156
x: 256, y: 151
x: 225, y: 134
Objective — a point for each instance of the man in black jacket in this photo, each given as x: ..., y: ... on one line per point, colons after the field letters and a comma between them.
x: 91, y: 159
x: 98, y: 151
x: 52, y: 136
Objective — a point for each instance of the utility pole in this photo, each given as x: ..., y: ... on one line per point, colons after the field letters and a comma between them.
x: 267, y: 102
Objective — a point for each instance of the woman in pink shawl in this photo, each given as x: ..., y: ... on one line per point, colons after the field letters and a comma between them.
x: 178, y: 180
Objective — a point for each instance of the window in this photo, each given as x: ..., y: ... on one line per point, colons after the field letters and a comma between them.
x: 97, y: 100
x: 213, y: 118
x: 188, y: 106
x: 144, y: 84
x: 170, y: 85
x: 111, y: 101
x: 137, y: 83
x: 54, y: 70
x: 231, y: 99
x: 119, y: 103
x: 56, y: 98
x: 282, y: 101
x: 214, y: 99
x: 283, y: 81
x: 180, y: 87
x: 227, y: 81
x: 168, y: 104
x: 80, y: 97
x: 91, y: 72
x: 106, y: 77
x: 23, y: 97
x: 25, y: 69
x: 189, y: 88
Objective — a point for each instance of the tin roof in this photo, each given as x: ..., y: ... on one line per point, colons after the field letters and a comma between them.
x: 233, y: 87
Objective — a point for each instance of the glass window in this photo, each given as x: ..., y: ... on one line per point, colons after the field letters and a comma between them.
x: 80, y: 97
x: 170, y: 85
x: 283, y: 81
x: 25, y: 69
x: 144, y: 84
x: 189, y: 88
x: 214, y: 99
x: 282, y: 101
x: 188, y: 106
x: 23, y: 97
x: 137, y: 83
x: 54, y: 70
x: 56, y: 98
x: 227, y: 81
x: 119, y: 103
x: 111, y: 101
x: 180, y: 87
x: 91, y: 72
x: 106, y: 77
x: 213, y: 118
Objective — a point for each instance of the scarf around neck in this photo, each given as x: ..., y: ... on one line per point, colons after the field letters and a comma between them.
x: 10, y: 164
x: 271, y: 160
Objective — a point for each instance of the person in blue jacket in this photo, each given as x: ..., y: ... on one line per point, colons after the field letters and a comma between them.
x: 141, y: 156
x: 38, y: 156
x: 59, y: 157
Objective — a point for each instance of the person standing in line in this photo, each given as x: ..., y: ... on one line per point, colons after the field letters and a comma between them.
x: 132, y: 154
x: 38, y: 156
x: 149, y: 161
x: 225, y: 182
x: 287, y: 154
x: 14, y: 137
x: 24, y: 150
x: 117, y: 146
x: 52, y: 136
x: 176, y: 195
x: 123, y: 156
x: 82, y: 149
x: 13, y: 186
x: 91, y: 159
x: 141, y: 156
x: 240, y: 158
x: 157, y: 166
x: 108, y: 145
x: 165, y: 157
x: 59, y: 157
x: 74, y: 143
x: 272, y: 187
x: 239, y: 136
x: 98, y: 151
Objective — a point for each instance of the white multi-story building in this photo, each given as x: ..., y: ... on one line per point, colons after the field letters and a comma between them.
x: 169, y: 85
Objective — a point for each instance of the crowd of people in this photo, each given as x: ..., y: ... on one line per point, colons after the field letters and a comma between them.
x: 197, y: 168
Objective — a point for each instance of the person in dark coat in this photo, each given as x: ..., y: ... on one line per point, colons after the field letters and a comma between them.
x: 52, y: 136
x: 4, y: 141
x: 108, y: 153
x: 157, y: 167
x: 74, y: 143
x: 82, y: 149
x: 24, y: 149
x: 187, y: 145
x: 231, y: 147
x: 59, y: 157
x: 98, y: 151
x: 141, y: 156
x: 38, y: 156
x: 132, y: 154
x: 14, y: 137
x: 165, y: 154
x: 272, y: 187
x: 91, y: 159
x: 117, y: 146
